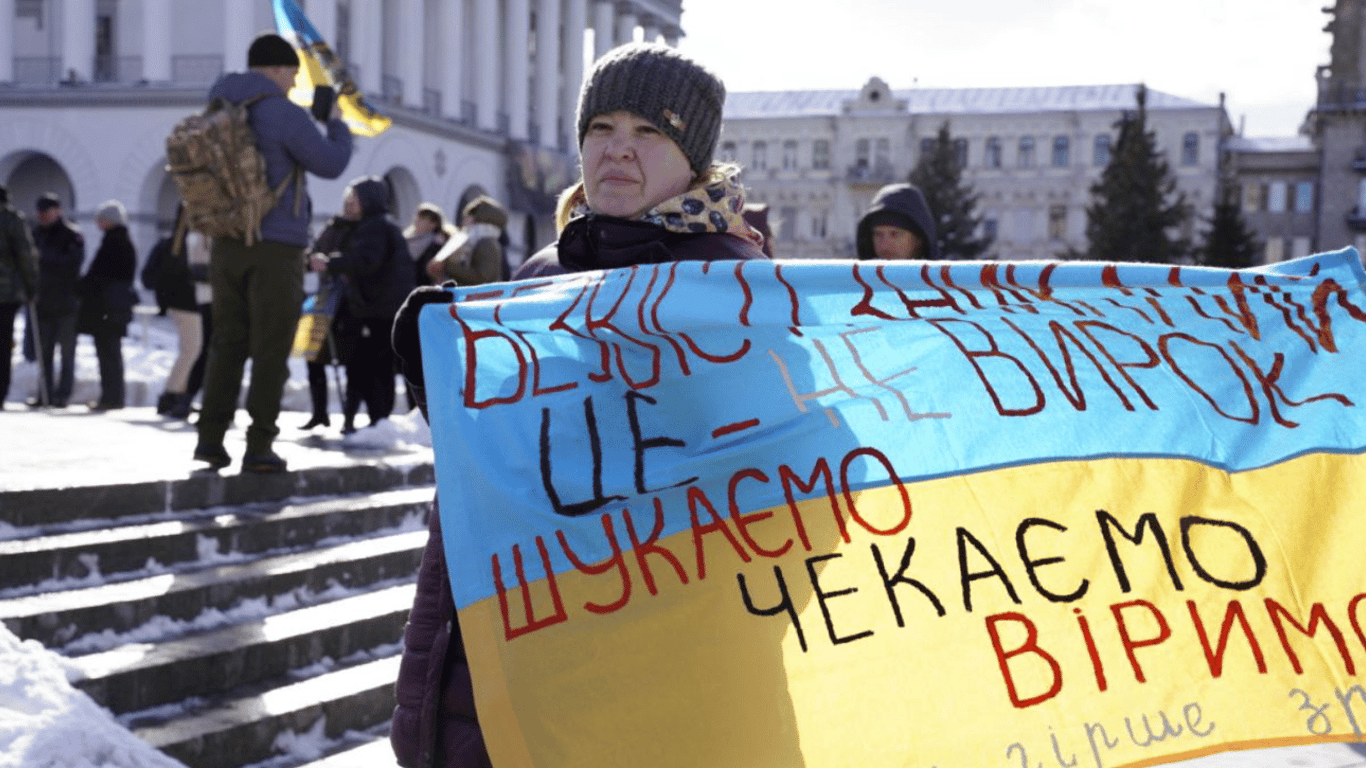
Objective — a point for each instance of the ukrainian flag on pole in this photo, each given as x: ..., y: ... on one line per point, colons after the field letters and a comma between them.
x: 322, y: 67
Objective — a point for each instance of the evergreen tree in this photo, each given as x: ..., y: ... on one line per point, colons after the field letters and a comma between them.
x: 1135, y: 207
x: 1228, y: 242
x: 939, y: 175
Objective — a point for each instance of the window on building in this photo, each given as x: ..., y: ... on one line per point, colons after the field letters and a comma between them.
x: 883, y: 153
x: 728, y: 153
x: 1025, y: 159
x: 1057, y: 222
x: 1299, y: 247
x: 1190, y: 149
x: 818, y: 224
x: 760, y: 161
x: 1252, y: 197
x: 1304, y: 197
x: 1275, y: 250
x: 787, y: 223
x: 1023, y: 225
x: 1275, y: 196
x: 863, y: 154
x: 960, y: 152
x: 1100, y: 151
x: 1062, y: 152
x: 789, y: 155
x: 989, y: 229
x: 926, y: 148
x: 992, y: 158
x: 1361, y: 196
x: 820, y: 154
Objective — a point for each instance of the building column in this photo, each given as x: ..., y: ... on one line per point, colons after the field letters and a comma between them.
x: 412, y: 25
x: 672, y: 35
x: 488, y: 81
x: 548, y: 71
x: 237, y: 35
x: 604, y: 27
x: 323, y: 15
x: 452, y: 52
x: 156, y: 40
x: 575, y: 25
x: 367, y: 40
x: 78, y: 39
x: 650, y: 27
x: 6, y: 41
x: 626, y: 23
x: 518, y: 87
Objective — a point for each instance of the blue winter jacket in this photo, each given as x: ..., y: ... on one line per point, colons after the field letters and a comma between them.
x: 287, y: 138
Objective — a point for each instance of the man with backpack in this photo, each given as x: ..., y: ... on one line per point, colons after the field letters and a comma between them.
x: 257, y: 280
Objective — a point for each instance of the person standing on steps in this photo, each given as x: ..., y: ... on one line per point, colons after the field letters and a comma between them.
x: 258, y: 289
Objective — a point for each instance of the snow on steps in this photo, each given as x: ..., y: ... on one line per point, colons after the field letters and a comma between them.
x: 265, y: 632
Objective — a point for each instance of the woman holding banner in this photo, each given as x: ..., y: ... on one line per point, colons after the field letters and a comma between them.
x: 649, y: 119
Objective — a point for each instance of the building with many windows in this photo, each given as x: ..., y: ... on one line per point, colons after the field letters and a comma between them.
x: 1275, y: 182
x: 816, y: 158
x: 482, y: 94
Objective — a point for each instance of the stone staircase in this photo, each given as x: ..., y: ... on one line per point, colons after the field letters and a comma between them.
x: 229, y: 620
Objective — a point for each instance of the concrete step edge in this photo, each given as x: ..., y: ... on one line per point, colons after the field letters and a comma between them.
x: 244, y: 729
x: 142, y: 675
x: 42, y: 563
x: 61, y: 620
x: 44, y: 506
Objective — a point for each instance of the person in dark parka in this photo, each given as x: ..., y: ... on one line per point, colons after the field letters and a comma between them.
x: 377, y: 273
x: 898, y: 225
x: 107, y: 301
x: 678, y: 206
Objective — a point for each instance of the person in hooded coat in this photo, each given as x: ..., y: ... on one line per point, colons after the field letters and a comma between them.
x: 648, y: 120
x: 899, y: 225
x: 377, y: 273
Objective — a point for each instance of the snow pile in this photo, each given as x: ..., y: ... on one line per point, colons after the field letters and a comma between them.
x: 46, y: 723
x: 401, y: 431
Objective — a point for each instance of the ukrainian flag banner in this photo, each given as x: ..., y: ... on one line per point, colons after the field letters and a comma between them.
x: 320, y: 66
x: 876, y: 514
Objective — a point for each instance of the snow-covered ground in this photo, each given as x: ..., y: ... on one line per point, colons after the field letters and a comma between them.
x: 44, y: 721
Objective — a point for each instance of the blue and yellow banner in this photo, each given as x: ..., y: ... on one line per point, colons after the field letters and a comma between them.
x: 320, y: 66
x: 877, y: 514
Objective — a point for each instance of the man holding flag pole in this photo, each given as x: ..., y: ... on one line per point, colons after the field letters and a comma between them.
x: 321, y: 67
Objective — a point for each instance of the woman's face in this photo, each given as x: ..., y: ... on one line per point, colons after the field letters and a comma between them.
x: 423, y: 224
x: 351, y: 206
x: 630, y: 166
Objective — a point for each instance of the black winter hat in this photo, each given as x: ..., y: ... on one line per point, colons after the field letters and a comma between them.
x: 48, y: 201
x: 659, y: 84
x: 271, y: 50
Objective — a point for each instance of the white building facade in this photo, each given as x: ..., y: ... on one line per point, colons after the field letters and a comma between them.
x: 482, y: 94
x: 816, y: 158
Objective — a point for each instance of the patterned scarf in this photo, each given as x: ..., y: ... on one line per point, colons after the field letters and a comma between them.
x: 714, y: 207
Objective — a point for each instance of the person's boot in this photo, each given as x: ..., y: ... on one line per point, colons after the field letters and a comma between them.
x: 262, y: 461
x: 165, y: 402
x: 213, y: 455
x: 180, y: 406
x: 318, y: 420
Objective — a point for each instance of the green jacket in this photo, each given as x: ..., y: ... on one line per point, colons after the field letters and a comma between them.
x: 18, y: 258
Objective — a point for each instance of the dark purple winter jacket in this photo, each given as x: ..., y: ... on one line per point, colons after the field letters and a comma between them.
x: 434, y: 724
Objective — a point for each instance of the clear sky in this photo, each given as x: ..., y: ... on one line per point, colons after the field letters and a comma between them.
x: 1262, y: 54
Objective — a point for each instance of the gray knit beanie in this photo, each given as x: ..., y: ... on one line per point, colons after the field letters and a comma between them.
x: 112, y: 212
x: 661, y: 85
